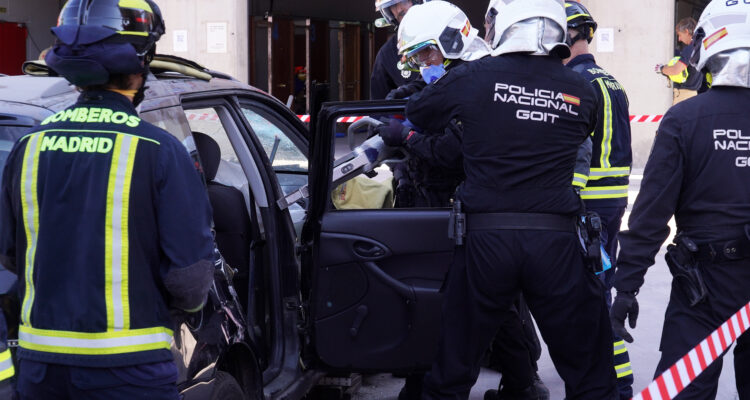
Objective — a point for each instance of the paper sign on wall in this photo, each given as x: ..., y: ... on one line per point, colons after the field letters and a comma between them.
x: 605, y: 40
x: 4, y: 4
x: 216, y: 37
x: 179, y: 41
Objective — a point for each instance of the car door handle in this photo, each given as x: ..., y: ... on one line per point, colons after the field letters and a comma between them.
x: 368, y: 251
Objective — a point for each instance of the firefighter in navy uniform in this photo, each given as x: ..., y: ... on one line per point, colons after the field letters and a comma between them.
x: 698, y: 172
x: 524, y: 116
x: 606, y: 189
x: 104, y: 219
x: 6, y: 362
x: 386, y: 75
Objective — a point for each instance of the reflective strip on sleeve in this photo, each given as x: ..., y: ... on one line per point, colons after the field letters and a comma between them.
x: 30, y: 206
x: 604, y: 192
x: 606, y: 148
x: 623, y: 370
x: 6, y: 365
x: 580, y: 180
x: 100, y: 343
x: 620, y: 347
x: 614, y: 172
x: 116, y: 233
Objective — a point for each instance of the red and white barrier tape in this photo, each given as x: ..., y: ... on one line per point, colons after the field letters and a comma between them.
x: 646, y: 118
x: 306, y: 118
x: 674, y: 380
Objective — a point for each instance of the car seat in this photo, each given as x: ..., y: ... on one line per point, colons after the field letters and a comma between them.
x: 231, y: 218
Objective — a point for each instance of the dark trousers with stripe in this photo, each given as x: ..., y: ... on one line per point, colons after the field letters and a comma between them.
x: 685, y: 327
x: 43, y: 381
x: 611, y: 216
x: 566, y: 300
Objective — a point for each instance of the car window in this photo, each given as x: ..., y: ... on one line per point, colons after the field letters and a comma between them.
x: 285, y: 156
x: 8, y: 137
x: 368, y: 174
x: 206, y: 121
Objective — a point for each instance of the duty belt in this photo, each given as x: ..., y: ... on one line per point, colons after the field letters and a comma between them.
x: 724, y: 251
x: 520, y: 221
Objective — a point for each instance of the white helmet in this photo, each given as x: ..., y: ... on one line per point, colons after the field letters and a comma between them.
x: 724, y: 25
x: 441, y: 24
x: 383, y: 6
x: 535, y: 26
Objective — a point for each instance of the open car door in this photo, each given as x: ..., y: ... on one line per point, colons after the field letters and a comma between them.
x: 375, y: 272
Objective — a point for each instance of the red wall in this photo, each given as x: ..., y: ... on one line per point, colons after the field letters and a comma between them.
x: 12, y: 47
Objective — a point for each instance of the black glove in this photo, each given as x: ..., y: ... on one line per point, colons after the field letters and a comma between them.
x: 403, y: 92
x: 625, y: 305
x: 394, y: 133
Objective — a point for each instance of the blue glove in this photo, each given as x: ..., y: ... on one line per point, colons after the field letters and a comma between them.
x: 394, y: 134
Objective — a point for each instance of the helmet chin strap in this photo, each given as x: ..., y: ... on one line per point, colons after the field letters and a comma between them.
x: 141, y: 93
x: 570, y: 41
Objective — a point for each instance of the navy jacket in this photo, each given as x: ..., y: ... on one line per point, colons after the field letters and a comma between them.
x: 106, y: 222
x: 385, y: 73
x: 612, y: 156
x: 524, y: 118
x: 698, y: 171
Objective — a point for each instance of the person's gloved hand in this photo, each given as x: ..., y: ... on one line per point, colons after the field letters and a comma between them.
x: 394, y: 133
x: 658, y: 67
x: 625, y: 305
x: 401, y: 92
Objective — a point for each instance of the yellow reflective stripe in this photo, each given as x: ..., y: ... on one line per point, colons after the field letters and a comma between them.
x: 580, y: 180
x: 6, y: 365
x: 604, y: 192
x: 30, y: 206
x: 576, y: 16
x: 619, y: 347
x: 138, y: 4
x: 614, y: 172
x: 99, y: 343
x: 116, y: 233
x: 606, y: 148
x: 623, y: 370
x: 133, y: 33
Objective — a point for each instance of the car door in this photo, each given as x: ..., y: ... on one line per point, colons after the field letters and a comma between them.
x: 376, y: 272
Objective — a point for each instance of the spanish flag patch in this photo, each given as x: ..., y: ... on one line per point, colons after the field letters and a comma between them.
x: 466, y: 29
x: 571, y: 99
x: 718, y: 35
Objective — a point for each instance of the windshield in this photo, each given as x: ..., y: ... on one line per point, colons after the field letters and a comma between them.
x: 8, y: 136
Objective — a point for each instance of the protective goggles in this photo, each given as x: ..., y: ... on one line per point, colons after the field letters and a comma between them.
x: 419, y: 55
x: 698, y: 37
x: 489, y: 25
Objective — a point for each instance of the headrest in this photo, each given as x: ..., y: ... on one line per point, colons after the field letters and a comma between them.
x: 209, y: 152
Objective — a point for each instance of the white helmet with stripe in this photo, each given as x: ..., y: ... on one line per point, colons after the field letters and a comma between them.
x: 538, y: 27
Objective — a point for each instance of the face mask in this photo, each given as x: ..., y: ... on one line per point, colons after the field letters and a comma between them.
x: 432, y: 73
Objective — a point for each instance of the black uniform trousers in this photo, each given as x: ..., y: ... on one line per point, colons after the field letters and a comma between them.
x: 566, y: 300
x: 728, y: 286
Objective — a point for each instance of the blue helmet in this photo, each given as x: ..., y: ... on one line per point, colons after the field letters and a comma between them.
x: 99, y: 38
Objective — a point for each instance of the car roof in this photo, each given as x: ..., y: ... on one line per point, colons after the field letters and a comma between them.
x: 55, y: 93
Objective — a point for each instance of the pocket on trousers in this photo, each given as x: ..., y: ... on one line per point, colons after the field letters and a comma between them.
x: 148, y: 375
x: 31, y: 371
x: 94, y: 378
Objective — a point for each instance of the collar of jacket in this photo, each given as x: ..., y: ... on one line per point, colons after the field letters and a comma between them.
x: 581, y: 59
x: 113, y: 99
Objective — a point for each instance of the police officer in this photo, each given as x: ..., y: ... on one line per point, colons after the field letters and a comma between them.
x: 105, y: 219
x: 524, y: 117
x: 606, y: 186
x: 686, y: 80
x: 386, y: 75
x: 698, y: 172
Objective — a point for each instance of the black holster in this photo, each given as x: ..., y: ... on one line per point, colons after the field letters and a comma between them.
x: 589, y: 229
x: 681, y: 259
x: 457, y: 223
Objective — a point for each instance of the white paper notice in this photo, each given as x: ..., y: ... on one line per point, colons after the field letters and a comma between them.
x: 605, y: 40
x: 4, y: 5
x: 180, y: 41
x: 216, y: 37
